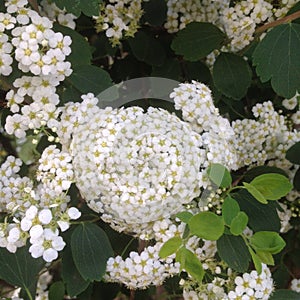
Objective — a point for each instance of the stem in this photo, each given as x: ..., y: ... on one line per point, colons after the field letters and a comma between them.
x: 127, y: 246
x: 34, y: 5
x: 28, y: 293
x: 283, y: 20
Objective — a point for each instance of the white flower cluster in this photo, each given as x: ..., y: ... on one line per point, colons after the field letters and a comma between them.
x: 41, y: 54
x: 35, y: 213
x: 136, y: 167
x: 292, y: 104
x: 119, y: 19
x: 50, y: 10
x: 295, y: 285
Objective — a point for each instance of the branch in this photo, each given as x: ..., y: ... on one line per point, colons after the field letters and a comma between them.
x: 283, y: 20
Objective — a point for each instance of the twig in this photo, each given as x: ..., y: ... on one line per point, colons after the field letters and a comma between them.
x: 283, y: 20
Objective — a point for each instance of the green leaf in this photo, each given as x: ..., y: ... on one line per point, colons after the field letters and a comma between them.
x: 57, y: 291
x: 284, y: 295
x: 81, y: 51
x: 75, y: 284
x: 20, y: 269
x: 256, y: 171
x: 90, y: 250
x: 75, y: 7
x: 233, y: 250
x: 230, y: 208
x: 265, y: 257
x: 272, y: 186
x: 90, y: 79
x: 169, y: 69
x: 261, y: 216
x: 239, y: 223
x: 267, y: 241
x: 28, y: 150
x: 197, y: 40
x: 184, y: 216
x: 256, y: 260
x: 219, y: 175
x: 232, y: 75
x: 277, y: 57
x: 155, y: 12
x: 147, y: 49
x: 190, y: 262
x: 255, y: 193
x: 197, y: 71
x: 206, y: 225
x: 170, y: 246
x: 292, y: 154
x: 296, y: 180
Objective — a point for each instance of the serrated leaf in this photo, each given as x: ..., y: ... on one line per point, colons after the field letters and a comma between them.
x: 197, y: 40
x: 232, y: 75
x: 90, y: 250
x: 261, y: 216
x: 75, y: 7
x: 256, y: 260
x: 184, y: 216
x: 219, y: 175
x: 233, y: 250
x: 81, y: 50
x: 57, y: 291
x: 20, y: 269
x: 239, y: 223
x: 284, y: 295
x: 272, y: 186
x: 277, y: 58
x: 190, y: 262
x: 75, y: 284
x: 255, y: 193
x: 230, y: 208
x: 206, y: 225
x: 147, y: 49
x: 170, y: 246
x: 293, y: 154
x: 267, y: 241
x: 90, y: 79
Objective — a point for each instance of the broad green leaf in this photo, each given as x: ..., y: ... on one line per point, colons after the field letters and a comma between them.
x: 90, y: 79
x: 239, y: 223
x: 219, y: 175
x: 169, y: 69
x: 184, y: 216
x: 272, y: 186
x: 20, y: 269
x: 230, y: 208
x: 190, y: 263
x: 81, y: 50
x: 233, y: 250
x: 293, y: 154
x: 57, y: 291
x: 206, y: 225
x: 75, y: 284
x: 285, y: 295
x: 256, y: 171
x: 170, y: 246
x: 197, y: 71
x: 277, y: 58
x: 27, y: 150
x: 155, y: 12
x: 89, y: 8
x: 267, y: 241
x: 255, y: 193
x: 262, y: 217
x: 147, y: 49
x: 296, y: 180
x: 266, y: 257
x: 90, y: 250
x: 232, y: 75
x: 256, y: 260
x: 197, y: 40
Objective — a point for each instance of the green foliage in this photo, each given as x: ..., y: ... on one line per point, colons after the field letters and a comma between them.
x: 90, y: 250
x: 239, y: 223
x: 230, y: 209
x: 75, y: 7
x: 170, y: 246
x: 293, y: 154
x: 256, y: 260
x: 255, y: 193
x: 232, y: 75
x: 184, y: 216
x: 233, y: 250
x: 219, y: 175
x: 201, y: 226
x: 267, y: 241
x: 155, y: 12
x: 21, y: 269
x: 277, y: 58
x: 57, y: 291
x: 284, y: 295
x: 197, y: 40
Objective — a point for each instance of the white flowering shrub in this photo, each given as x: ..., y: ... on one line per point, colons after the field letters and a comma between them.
x: 183, y: 184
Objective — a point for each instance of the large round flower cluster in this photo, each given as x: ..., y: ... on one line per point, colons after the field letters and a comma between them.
x: 140, y: 166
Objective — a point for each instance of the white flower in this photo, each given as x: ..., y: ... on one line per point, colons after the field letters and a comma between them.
x: 45, y: 216
x: 74, y: 213
x: 295, y: 285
